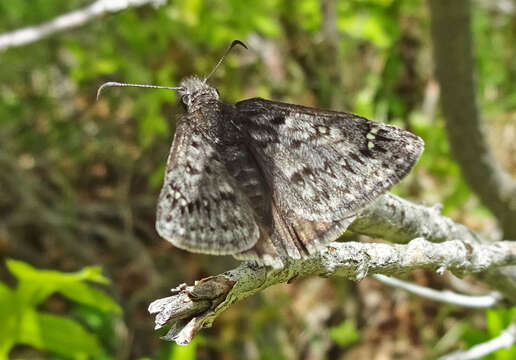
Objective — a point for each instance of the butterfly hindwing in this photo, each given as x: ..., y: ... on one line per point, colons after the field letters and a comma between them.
x: 200, y: 208
x: 325, y: 165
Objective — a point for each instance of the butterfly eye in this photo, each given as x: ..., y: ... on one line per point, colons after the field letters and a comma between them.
x: 185, y: 100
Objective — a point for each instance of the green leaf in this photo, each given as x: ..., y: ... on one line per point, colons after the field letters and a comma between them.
x: 91, y: 273
x: 5, y: 292
x: 345, y: 334
x: 8, y: 320
x: 57, y: 334
x: 33, y: 287
x: 472, y: 336
x: 188, y: 352
x: 88, y: 295
x: 24, y: 271
x: 36, y: 285
x: 21, y: 323
x: 499, y: 319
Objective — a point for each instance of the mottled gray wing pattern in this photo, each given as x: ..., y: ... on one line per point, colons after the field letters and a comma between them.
x: 324, y: 165
x: 200, y: 208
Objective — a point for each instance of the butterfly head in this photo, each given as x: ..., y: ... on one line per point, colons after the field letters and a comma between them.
x: 194, y: 92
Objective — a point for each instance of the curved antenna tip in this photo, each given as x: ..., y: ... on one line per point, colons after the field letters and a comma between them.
x: 231, y: 46
x: 105, y: 85
x: 238, y: 42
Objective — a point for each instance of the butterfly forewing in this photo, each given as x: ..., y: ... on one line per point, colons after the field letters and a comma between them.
x: 201, y: 208
x: 324, y: 165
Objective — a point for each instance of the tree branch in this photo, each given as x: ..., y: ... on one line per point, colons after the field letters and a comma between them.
x: 446, y: 296
x: 505, y: 340
x: 395, y: 219
x: 69, y: 20
x: 191, y: 308
x: 454, y: 69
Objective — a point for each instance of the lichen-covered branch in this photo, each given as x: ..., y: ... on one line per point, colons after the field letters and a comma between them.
x: 191, y: 308
x: 390, y: 217
x: 70, y: 20
x: 395, y: 219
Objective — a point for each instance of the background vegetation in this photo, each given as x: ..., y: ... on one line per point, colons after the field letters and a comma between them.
x: 79, y: 179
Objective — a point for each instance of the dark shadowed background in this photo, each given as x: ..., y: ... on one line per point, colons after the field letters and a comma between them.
x: 79, y: 178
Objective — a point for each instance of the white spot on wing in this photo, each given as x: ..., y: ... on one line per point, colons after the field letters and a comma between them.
x: 323, y: 130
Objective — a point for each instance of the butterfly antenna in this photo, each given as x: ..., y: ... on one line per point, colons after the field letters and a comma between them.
x: 117, y: 84
x: 231, y: 46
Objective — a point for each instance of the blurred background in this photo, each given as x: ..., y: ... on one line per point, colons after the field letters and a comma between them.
x: 79, y: 178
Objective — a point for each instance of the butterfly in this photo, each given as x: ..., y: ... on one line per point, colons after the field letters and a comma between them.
x: 270, y: 181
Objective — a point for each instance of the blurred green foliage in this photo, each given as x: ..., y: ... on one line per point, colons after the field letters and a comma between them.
x: 79, y: 178
x: 345, y: 333
x: 23, y: 323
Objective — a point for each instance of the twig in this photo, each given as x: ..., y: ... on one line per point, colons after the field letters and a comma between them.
x: 446, y: 296
x: 194, y: 307
x: 506, y: 7
x: 69, y: 20
x: 505, y: 340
